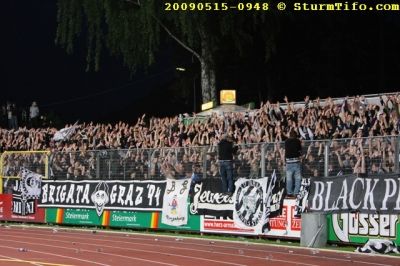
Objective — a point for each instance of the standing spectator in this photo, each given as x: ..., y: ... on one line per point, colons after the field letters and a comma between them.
x: 293, y: 164
x: 24, y: 117
x: 12, y: 116
x: 3, y: 116
x: 77, y: 176
x: 34, y: 114
x: 225, y: 153
x: 9, y: 115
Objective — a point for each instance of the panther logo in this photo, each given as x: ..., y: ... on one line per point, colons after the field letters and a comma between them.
x: 100, y: 197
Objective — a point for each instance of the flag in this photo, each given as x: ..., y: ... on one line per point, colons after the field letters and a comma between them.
x: 302, y: 198
x: 175, y: 207
x: 31, y: 184
x: 274, y: 197
x: 256, y: 201
x: 250, y: 199
x: 379, y: 246
x: 65, y: 133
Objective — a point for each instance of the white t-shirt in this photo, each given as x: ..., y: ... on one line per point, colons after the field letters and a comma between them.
x: 33, y: 111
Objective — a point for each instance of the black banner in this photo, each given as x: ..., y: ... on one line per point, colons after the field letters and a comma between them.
x: 301, y: 199
x: 278, y: 195
x: 274, y: 202
x: 103, y: 195
x: 208, y: 200
x: 21, y: 205
x: 372, y: 194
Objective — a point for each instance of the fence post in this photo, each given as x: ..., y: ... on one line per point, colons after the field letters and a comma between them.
x: 326, y: 160
x: 109, y: 165
x: 204, y: 152
x: 150, y: 155
x: 263, y: 160
x: 124, y: 169
x: 97, y: 165
x: 47, y: 171
x: 396, y: 154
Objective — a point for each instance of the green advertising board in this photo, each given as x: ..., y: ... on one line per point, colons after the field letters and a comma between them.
x: 360, y: 227
x: 130, y: 219
x: 73, y: 216
x: 82, y: 217
x: 123, y: 219
x: 51, y: 215
x: 193, y: 223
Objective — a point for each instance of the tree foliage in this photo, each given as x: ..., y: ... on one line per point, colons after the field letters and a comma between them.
x: 134, y: 32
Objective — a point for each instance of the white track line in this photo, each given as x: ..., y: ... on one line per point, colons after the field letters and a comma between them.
x: 226, y: 247
x: 19, y: 260
x: 177, y: 248
x: 118, y: 240
x: 52, y: 254
x: 122, y: 248
x: 78, y: 232
x: 84, y: 250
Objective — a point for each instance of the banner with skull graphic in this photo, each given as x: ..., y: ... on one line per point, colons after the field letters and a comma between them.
x: 250, y: 200
x: 133, y: 195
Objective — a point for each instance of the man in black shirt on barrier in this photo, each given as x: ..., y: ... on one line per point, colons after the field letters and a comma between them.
x: 225, y: 156
x: 293, y: 164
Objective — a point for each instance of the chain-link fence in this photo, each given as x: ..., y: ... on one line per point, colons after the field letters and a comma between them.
x: 12, y: 162
x: 320, y: 158
x: 363, y: 156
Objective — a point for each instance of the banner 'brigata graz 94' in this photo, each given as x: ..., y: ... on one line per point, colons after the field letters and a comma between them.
x: 109, y: 195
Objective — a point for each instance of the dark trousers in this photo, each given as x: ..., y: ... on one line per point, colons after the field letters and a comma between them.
x: 226, y: 171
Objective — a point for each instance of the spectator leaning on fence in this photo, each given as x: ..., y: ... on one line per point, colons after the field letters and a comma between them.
x: 293, y: 164
x: 225, y: 158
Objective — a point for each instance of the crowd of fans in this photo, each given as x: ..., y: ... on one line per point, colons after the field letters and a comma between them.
x: 155, y: 148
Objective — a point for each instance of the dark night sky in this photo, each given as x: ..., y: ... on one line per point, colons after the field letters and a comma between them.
x: 36, y: 69
x: 33, y: 68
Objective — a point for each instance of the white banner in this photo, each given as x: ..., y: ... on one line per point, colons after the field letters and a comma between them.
x: 65, y: 133
x: 175, y: 209
x: 249, y: 203
x: 379, y: 246
x: 31, y: 184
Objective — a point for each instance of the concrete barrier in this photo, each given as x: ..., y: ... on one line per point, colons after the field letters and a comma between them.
x: 314, y: 230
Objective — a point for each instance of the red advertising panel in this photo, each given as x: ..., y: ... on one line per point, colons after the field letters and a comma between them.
x: 295, y: 223
x: 280, y: 222
x: 286, y: 225
x: 20, y: 211
x: 215, y: 225
x: 5, y: 206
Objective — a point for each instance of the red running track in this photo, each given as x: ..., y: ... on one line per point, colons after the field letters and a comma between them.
x: 29, y: 245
